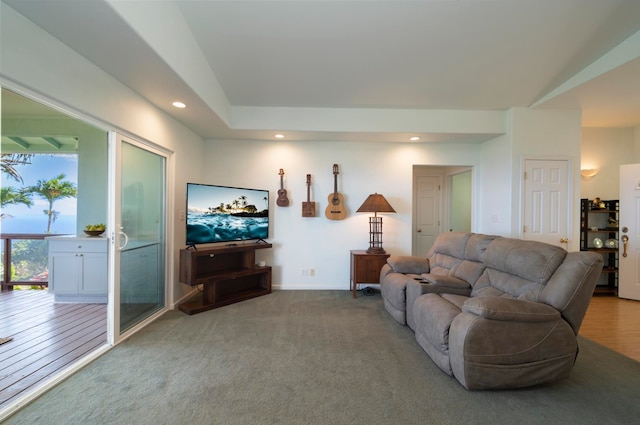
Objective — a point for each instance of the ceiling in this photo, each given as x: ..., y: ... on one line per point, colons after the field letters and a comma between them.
x: 333, y: 70
x: 16, y: 106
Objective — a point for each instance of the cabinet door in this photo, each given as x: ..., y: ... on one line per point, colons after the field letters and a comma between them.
x: 64, y: 269
x: 367, y: 268
x: 94, y: 274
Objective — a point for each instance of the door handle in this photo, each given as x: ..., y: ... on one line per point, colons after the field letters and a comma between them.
x: 419, y: 230
x: 564, y: 240
x: 625, y: 239
x: 126, y: 239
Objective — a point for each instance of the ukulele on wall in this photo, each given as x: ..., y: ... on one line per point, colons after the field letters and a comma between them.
x: 335, y: 210
x: 282, y: 200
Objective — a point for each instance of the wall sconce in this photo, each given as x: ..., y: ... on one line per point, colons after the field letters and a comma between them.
x: 588, y: 174
x: 375, y: 203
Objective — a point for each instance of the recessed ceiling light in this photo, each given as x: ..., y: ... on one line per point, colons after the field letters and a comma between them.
x: 414, y: 138
x: 179, y: 104
x: 279, y: 136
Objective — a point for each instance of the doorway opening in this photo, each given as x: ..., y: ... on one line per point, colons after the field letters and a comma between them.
x: 442, y: 201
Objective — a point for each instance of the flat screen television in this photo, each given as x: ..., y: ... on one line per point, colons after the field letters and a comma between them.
x: 226, y: 214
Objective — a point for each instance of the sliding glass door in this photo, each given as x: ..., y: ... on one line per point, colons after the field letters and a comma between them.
x: 140, y: 233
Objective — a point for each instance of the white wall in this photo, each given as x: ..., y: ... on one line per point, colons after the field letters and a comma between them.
x: 606, y: 149
x: 34, y: 63
x: 304, y: 243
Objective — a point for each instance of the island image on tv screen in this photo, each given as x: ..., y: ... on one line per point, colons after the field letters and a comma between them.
x: 224, y: 214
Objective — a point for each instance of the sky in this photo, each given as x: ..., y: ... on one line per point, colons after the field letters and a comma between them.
x: 201, y: 197
x: 42, y: 167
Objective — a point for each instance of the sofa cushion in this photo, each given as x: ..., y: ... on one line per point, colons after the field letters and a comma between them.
x: 445, y: 281
x: 517, y: 268
x: 499, y: 308
x: 530, y: 260
x: 452, y: 244
x: 408, y: 264
x: 394, y: 297
x: 477, y: 245
x: 447, y: 252
x: 433, y: 316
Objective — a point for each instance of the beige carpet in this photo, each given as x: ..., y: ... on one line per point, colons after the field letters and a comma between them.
x: 314, y: 357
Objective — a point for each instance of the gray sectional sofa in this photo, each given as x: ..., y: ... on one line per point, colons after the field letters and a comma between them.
x: 493, y: 312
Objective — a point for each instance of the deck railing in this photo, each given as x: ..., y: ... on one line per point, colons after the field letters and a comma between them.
x: 24, y: 260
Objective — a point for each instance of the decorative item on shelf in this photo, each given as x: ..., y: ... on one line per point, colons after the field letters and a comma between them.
x: 596, y: 204
x: 308, y: 207
x: 335, y: 210
x: 282, y: 200
x: 611, y: 243
x: 597, y: 242
x: 375, y: 203
x: 95, y: 229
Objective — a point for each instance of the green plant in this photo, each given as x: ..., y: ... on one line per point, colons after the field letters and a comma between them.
x: 95, y: 227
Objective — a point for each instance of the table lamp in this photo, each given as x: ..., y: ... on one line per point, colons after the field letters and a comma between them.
x: 375, y: 203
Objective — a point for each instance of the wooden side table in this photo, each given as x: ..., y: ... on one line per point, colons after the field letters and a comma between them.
x: 365, y: 268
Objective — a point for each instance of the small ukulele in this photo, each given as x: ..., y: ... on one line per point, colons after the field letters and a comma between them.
x: 308, y: 208
x: 335, y: 210
x: 282, y: 200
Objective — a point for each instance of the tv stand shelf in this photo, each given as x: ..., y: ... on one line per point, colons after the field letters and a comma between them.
x: 228, y: 274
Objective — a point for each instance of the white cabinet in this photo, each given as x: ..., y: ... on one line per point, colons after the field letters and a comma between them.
x: 78, y: 269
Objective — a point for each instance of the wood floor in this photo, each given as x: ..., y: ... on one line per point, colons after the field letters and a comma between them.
x: 614, y: 323
x: 47, y: 338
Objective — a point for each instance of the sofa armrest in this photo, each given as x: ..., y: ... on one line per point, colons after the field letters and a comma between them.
x: 408, y: 264
x: 445, y: 281
x: 509, y: 309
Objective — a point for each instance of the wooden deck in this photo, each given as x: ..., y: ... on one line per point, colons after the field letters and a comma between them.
x: 47, y: 338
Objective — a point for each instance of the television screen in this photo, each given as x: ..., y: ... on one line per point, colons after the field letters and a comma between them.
x: 224, y: 214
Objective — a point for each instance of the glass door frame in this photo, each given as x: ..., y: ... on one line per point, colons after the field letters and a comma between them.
x: 114, y: 336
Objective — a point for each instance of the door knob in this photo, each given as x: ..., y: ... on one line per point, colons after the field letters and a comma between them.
x: 564, y: 240
x: 625, y: 239
x: 419, y: 230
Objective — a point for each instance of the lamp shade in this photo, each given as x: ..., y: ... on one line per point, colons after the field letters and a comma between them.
x: 376, y: 203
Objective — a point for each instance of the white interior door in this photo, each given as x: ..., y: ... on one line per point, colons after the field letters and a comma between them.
x: 428, y: 212
x: 546, y: 201
x: 629, y: 231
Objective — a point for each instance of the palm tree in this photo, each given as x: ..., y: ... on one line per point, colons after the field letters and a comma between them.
x: 243, y: 201
x: 8, y: 161
x: 53, y: 190
x: 11, y: 196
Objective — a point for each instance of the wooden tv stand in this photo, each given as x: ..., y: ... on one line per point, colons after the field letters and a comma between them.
x: 228, y: 274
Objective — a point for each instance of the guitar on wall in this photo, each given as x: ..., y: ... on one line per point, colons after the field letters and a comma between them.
x: 308, y: 208
x: 335, y: 210
x: 282, y: 200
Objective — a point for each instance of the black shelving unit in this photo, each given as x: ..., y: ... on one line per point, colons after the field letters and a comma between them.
x: 599, y: 221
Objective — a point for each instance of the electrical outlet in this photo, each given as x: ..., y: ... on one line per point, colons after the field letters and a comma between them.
x: 182, y: 215
x: 312, y: 272
x: 305, y: 272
